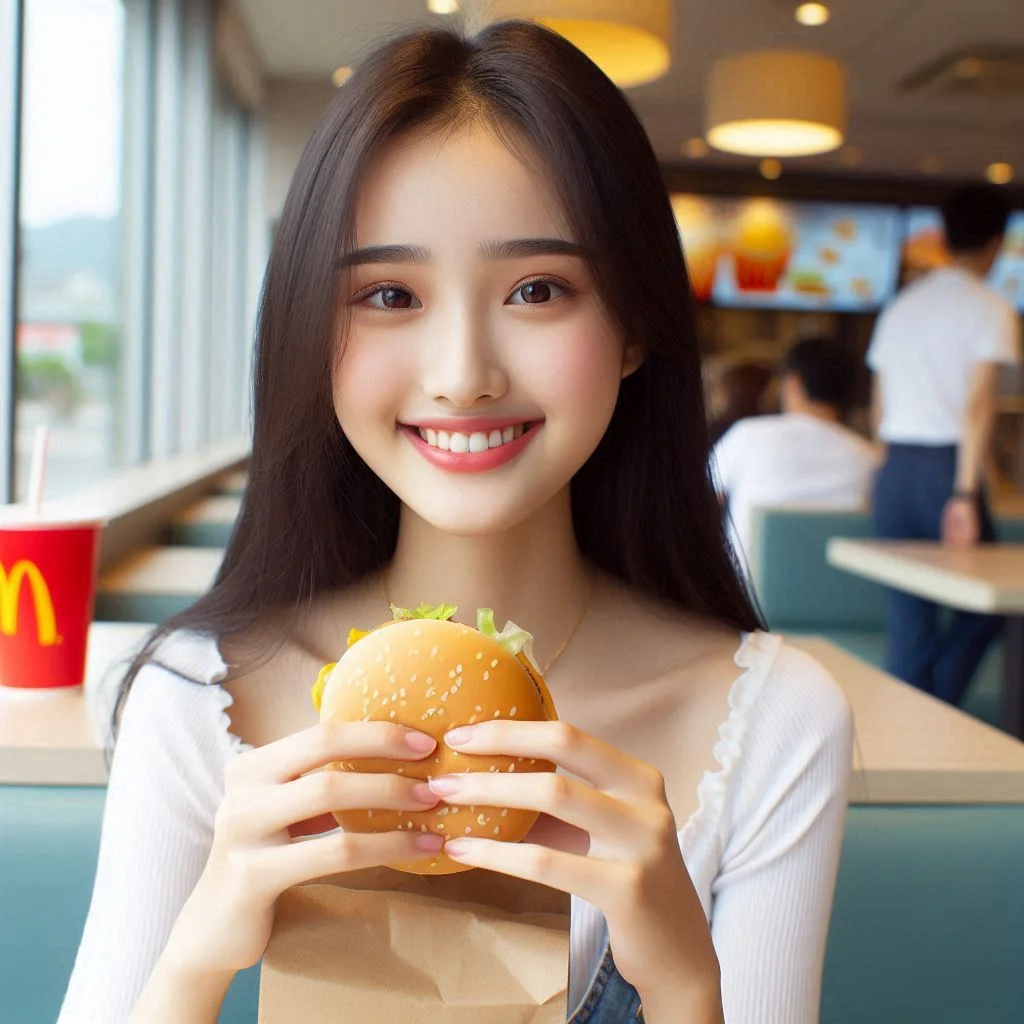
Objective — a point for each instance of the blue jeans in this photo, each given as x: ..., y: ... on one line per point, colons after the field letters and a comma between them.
x: 610, y: 999
x: 911, y: 490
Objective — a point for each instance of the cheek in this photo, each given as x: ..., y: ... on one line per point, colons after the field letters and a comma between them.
x: 368, y: 382
x: 580, y: 372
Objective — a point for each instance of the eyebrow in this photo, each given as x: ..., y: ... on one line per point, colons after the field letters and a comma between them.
x: 510, y: 249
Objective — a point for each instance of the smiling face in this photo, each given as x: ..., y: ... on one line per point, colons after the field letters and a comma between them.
x: 480, y: 368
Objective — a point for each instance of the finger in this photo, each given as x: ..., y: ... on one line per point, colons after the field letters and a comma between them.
x: 590, y: 878
x: 302, y: 752
x: 277, y: 868
x: 571, y: 748
x: 323, y: 792
x: 569, y: 800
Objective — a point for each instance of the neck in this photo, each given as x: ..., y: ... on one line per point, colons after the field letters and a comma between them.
x: 819, y: 410
x: 532, y: 573
x: 976, y: 263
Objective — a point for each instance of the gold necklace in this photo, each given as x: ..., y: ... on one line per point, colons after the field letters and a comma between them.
x: 565, y: 643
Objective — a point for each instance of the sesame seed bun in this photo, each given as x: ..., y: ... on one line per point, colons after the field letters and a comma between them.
x: 433, y: 675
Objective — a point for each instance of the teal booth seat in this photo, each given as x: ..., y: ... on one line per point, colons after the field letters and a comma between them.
x: 200, y: 534
x: 799, y: 592
x: 928, y: 924
x: 49, y: 842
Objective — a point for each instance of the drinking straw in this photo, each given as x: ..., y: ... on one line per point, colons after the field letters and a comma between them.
x: 37, y: 474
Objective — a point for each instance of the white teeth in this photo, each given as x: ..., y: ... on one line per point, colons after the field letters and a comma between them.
x: 478, y: 441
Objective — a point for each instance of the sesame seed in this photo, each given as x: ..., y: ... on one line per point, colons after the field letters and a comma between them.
x: 458, y: 682
x: 391, y: 678
x: 423, y: 828
x: 433, y: 652
x: 433, y: 863
x: 497, y: 714
x: 391, y: 714
x: 487, y: 675
x: 458, y: 668
x: 431, y: 692
x: 375, y: 692
x: 512, y: 713
x: 472, y: 720
x: 369, y: 814
x: 408, y: 824
x: 478, y: 708
x: 387, y: 666
x: 494, y: 663
x: 384, y: 702
x: 400, y: 771
x: 481, y: 820
x: 379, y: 658
x: 497, y: 829
x: 451, y: 675
x: 454, y: 689
x: 440, y: 711
x: 401, y: 693
x: 445, y: 695
x: 512, y: 767
x: 430, y: 679
x: 468, y: 830
x: 402, y: 703
x: 479, y: 655
x: 439, y: 826
x: 431, y: 711
x: 504, y: 812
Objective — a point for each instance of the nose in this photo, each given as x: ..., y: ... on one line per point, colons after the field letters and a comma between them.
x: 462, y: 364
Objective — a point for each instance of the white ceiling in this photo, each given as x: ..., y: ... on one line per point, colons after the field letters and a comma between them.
x: 882, y: 42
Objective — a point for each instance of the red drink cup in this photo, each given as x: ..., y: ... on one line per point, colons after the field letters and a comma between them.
x: 47, y: 591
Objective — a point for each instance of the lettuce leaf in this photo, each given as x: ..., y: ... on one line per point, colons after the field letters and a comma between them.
x: 441, y: 612
x: 512, y: 637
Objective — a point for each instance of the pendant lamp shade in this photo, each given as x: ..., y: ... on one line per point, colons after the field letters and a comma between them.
x: 629, y: 40
x: 776, y: 103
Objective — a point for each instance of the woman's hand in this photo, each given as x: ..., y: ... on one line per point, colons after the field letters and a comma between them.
x: 607, y: 836
x: 225, y: 924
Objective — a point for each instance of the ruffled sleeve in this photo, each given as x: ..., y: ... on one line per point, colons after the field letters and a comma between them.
x: 166, y: 783
x: 786, y: 754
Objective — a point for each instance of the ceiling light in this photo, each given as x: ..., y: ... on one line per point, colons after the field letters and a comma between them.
x: 442, y: 6
x: 629, y: 40
x: 812, y: 15
x: 340, y: 76
x: 695, y: 148
x: 776, y: 103
x: 999, y: 173
x: 770, y: 168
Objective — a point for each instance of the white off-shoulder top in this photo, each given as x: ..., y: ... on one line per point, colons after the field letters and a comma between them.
x: 762, y: 848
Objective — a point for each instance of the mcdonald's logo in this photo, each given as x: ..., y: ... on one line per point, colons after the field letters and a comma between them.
x: 10, y: 598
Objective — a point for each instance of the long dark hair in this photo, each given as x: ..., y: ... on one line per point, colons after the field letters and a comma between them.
x: 314, y: 516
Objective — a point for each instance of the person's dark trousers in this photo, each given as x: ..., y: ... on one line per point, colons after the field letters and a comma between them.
x: 934, y: 650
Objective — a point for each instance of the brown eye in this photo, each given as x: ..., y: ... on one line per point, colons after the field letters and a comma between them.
x: 536, y: 293
x: 390, y: 297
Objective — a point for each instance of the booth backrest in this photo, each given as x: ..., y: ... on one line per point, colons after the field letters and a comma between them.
x: 799, y: 591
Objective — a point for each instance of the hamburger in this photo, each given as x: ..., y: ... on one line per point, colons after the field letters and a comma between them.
x: 427, y: 672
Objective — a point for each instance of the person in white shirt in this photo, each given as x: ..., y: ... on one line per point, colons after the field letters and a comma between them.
x: 936, y: 354
x: 805, y: 456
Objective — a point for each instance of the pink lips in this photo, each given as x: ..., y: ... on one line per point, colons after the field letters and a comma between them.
x: 471, y: 462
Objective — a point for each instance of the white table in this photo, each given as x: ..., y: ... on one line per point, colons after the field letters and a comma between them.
x: 988, y: 579
x: 56, y: 737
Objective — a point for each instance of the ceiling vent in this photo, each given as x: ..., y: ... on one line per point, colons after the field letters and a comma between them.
x: 980, y: 72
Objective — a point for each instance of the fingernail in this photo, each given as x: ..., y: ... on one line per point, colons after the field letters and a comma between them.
x: 428, y: 841
x: 420, y: 742
x: 443, y: 785
x: 421, y: 791
x: 457, y: 737
x: 457, y: 847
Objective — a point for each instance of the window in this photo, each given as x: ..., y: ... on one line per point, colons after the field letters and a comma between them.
x: 70, y: 335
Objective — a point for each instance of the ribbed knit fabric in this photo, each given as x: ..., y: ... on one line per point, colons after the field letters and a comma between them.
x: 762, y: 848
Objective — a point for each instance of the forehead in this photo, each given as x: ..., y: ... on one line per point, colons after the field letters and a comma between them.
x: 465, y: 184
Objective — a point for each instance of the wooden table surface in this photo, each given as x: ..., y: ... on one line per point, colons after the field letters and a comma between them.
x: 988, y: 578
x: 56, y: 737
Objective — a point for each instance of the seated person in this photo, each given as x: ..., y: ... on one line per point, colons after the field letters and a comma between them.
x: 804, y: 455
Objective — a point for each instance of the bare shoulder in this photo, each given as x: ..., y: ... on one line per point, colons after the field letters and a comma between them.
x: 271, y: 672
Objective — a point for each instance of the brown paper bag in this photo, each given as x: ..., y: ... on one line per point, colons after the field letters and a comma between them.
x: 386, y: 947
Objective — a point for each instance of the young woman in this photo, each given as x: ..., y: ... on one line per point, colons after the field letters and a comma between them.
x: 477, y: 244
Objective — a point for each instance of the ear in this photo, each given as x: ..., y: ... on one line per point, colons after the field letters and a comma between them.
x: 632, y: 360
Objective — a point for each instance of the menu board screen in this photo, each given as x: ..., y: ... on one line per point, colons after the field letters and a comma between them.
x: 789, y: 255
x: 924, y: 248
